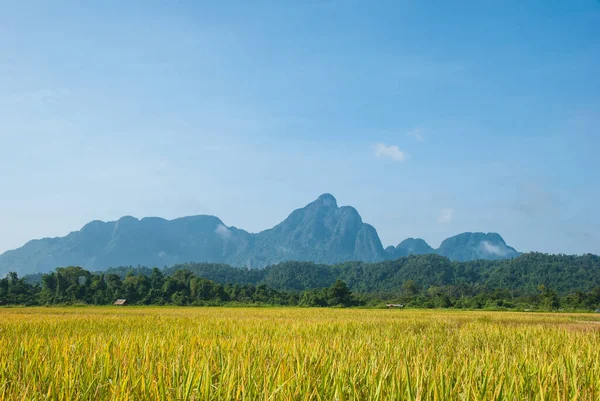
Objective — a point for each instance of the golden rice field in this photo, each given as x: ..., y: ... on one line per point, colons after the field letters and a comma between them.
x: 142, y: 353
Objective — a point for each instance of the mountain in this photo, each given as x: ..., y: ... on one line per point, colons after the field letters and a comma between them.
x: 320, y: 232
x: 462, y: 247
x: 410, y: 246
x: 471, y: 246
x: 149, y: 241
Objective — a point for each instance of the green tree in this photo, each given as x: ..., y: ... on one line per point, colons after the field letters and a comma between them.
x: 340, y: 294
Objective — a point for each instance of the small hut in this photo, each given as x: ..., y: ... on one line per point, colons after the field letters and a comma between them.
x: 120, y: 302
x: 390, y: 306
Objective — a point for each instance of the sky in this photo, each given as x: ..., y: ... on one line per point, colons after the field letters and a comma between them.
x: 430, y: 118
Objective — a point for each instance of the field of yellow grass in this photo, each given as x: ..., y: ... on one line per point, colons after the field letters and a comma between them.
x: 139, y: 353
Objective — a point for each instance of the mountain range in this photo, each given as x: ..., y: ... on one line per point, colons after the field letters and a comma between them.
x: 320, y: 232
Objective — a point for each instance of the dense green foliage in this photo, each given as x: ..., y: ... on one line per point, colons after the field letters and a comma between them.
x: 74, y: 285
x: 519, y: 277
x: 531, y: 281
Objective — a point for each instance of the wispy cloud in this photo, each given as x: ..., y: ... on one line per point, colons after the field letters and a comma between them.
x: 223, y: 232
x: 488, y: 247
x: 392, y: 152
x: 446, y: 216
x: 417, y: 134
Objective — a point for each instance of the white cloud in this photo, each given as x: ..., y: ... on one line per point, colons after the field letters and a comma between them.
x: 446, y: 216
x: 391, y: 152
x: 493, y: 249
x: 417, y: 133
x: 223, y: 232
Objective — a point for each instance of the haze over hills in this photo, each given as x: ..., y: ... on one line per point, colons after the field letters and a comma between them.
x: 320, y: 232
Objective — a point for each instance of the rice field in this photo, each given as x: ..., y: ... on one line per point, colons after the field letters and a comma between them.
x: 163, y: 353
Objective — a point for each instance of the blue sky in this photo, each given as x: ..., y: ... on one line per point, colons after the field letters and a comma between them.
x: 431, y: 119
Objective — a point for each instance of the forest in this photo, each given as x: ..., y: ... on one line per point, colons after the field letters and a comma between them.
x: 532, y: 281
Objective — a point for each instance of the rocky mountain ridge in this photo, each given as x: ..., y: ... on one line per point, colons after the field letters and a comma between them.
x: 320, y: 232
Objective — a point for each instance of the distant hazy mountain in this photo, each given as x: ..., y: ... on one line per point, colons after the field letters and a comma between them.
x: 320, y: 232
x: 471, y: 246
x: 462, y: 247
x: 410, y: 246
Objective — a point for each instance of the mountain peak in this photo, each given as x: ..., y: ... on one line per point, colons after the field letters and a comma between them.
x: 326, y: 200
x: 470, y: 246
x: 410, y: 246
x: 495, y: 237
x: 127, y: 219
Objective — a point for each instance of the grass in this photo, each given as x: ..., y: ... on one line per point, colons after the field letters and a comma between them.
x: 137, y: 353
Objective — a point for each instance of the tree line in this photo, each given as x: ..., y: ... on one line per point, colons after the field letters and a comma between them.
x: 521, y: 276
x: 531, y: 281
x: 75, y: 285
